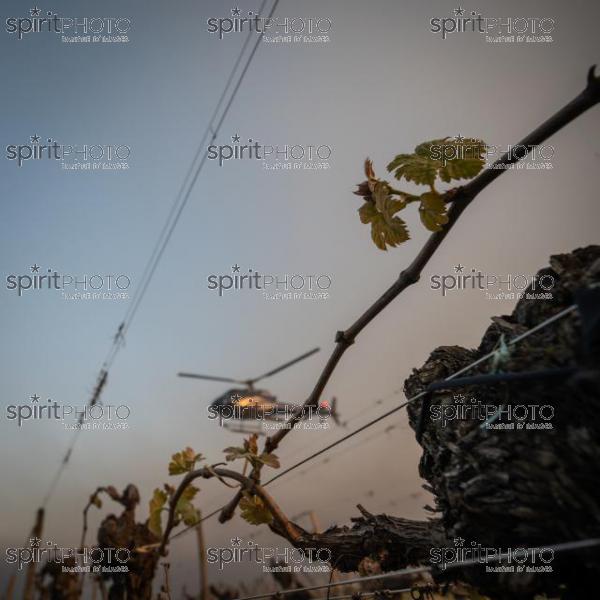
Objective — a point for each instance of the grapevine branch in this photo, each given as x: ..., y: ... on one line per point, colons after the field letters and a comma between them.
x: 283, y: 524
x: 460, y: 198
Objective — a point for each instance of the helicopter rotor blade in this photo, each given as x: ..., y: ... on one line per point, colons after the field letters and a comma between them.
x: 210, y: 377
x: 286, y: 365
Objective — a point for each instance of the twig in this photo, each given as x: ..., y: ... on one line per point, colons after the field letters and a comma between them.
x: 166, y: 587
x: 460, y: 199
x: 91, y: 501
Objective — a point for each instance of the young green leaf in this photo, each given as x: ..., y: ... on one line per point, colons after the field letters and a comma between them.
x: 184, y: 509
x: 189, y: 514
x: 234, y: 452
x: 189, y: 493
x: 157, y: 503
x: 270, y: 460
x: 254, y: 511
x: 419, y: 168
x: 446, y: 158
x: 251, y: 444
x: 386, y: 230
x: 249, y: 451
x: 184, y: 461
x: 433, y: 211
x: 463, y: 158
x: 379, y: 210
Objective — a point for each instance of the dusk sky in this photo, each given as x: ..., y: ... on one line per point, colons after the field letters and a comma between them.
x: 383, y: 83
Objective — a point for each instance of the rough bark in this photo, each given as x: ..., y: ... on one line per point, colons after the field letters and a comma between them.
x: 525, y: 487
x: 390, y: 542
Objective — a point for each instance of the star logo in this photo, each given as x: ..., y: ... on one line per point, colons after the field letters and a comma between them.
x: 235, y: 268
x: 34, y: 398
x: 459, y: 139
x: 235, y: 12
x: 459, y: 11
x: 35, y: 268
x: 34, y: 12
x: 458, y: 541
x: 236, y: 541
x: 459, y: 268
x: 35, y: 139
x: 34, y: 541
x: 235, y: 138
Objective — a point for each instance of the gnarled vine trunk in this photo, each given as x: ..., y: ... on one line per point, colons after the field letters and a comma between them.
x: 505, y: 488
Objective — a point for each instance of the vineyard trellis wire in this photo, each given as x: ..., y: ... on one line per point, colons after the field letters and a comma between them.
x: 375, y: 594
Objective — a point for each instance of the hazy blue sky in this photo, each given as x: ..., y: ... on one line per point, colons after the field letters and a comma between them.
x: 382, y: 84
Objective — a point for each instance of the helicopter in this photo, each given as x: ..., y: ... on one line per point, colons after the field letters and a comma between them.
x: 249, y: 405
